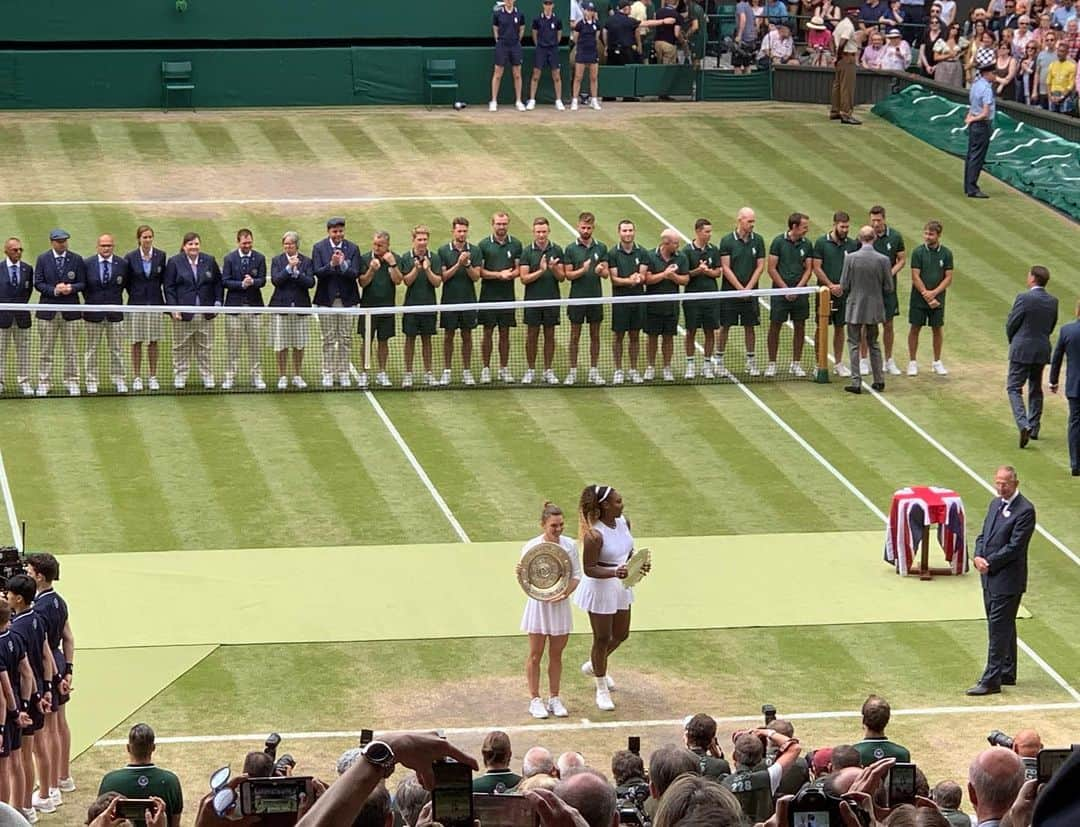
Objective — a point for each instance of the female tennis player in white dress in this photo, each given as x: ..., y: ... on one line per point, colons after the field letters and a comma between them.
x: 549, y: 620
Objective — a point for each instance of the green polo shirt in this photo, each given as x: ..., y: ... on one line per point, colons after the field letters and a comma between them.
x: 890, y: 244
x: 791, y: 257
x: 496, y: 256
x: 627, y: 263
x: 932, y: 263
x: 547, y: 286
x: 421, y: 291
x: 743, y: 255
x: 144, y: 781
x: 697, y: 44
x: 831, y: 253
x: 658, y: 264
x: 460, y: 288
x: 490, y: 780
x: 381, y: 292
x: 709, y: 255
x: 587, y: 285
x: 874, y: 749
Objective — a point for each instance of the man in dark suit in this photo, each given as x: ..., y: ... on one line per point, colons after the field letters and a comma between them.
x: 243, y: 274
x: 192, y: 277
x: 292, y: 277
x: 1068, y: 346
x: 59, y: 276
x: 146, y: 272
x: 106, y: 278
x: 865, y: 278
x: 336, y: 262
x: 1001, y: 551
x: 16, y: 285
x: 1032, y: 318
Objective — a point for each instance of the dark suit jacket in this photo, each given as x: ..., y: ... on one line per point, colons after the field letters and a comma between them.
x: 232, y: 277
x: 182, y: 288
x: 1031, y: 321
x: 336, y: 282
x: 17, y: 294
x: 1004, y: 543
x: 142, y: 288
x: 1068, y: 345
x: 46, y: 278
x: 112, y: 293
x: 291, y: 289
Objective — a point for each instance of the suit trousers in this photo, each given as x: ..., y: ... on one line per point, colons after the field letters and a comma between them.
x: 978, y: 146
x: 1001, y: 627
x: 337, y: 336
x: 843, y: 86
x: 192, y: 338
x: 113, y: 332
x: 243, y: 330
x: 1019, y: 374
x: 854, y: 335
x: 20, y: 337
x: 48, y: 332
x: 1074, y: 432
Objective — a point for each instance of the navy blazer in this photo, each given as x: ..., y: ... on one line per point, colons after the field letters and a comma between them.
x: 1068, y: 346
x: 181, y: 286
x: 336, y: 282
x: 111, y: 293
x: 46, y: 278
x: 232, y: 277
x: 1031, y: 321
x: 291, y: 288
x: 143, y: 288
x: 19, y: 293
x: 1003, y: 541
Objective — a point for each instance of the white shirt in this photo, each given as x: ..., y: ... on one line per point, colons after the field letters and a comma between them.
x: 896, y: 58
x: 576, y: 13
x: 776, y: 46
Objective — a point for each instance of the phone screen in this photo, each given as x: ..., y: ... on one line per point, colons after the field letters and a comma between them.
x: 633, y: 743
x: 506, y: 810
x: 1049, y: 761
x: 262, y: 796
x: 452, y: 798
x: 818, y: 818
x: 133, y: 808
x: 902, y: 784
x: 366, y: 737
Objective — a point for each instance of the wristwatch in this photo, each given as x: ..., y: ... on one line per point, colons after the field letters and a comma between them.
x: 379, y: 755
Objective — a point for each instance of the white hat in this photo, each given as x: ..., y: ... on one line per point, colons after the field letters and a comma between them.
x: 816, y: 23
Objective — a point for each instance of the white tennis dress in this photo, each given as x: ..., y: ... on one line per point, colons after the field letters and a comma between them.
x: 606, y: 596
x: 542, y: 618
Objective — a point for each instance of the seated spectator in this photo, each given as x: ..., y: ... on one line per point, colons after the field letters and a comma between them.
x: 496, y: 753
x: 897, y: 54
x: 538, y: 761
x: 537, y: 782
x: 665, y: 765
x: 347, y: 759
x: 410, y: 798
x: 819, y: 42
x: 700, y: 738
x: 101, y: 804
x: 894, y: 16
x: 778, y: 46
x: 1061, y: 81
x: 844, y: 756
x: 874, y: 745
x: 142, y: 779
x: 870, y: 13
x: 692, y: 799
x: 798, y: 773
x: 754, y: 787
x: 377, y: 810
x: 258, y: 765
x: 776, y: 12
x: 994, y: 778
x: 872, y: 54
x: 570, y: 762
x: 590, y: 794
x: 628, y: 770
x: 948, y: 795
x: 821, y: 763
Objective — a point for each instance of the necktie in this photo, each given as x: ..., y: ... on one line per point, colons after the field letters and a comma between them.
x: 245, y: 264
x: 105, y: 272
x: 60, y: 266
x: 14, y: 275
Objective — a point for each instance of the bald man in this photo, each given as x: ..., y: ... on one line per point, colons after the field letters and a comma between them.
x: 742, y: 261
x: 668, y: 270
x: 994, y: 779
x: 592, y: 796
x: 106, y: 279
x: 538, y: 761
x: 569, y: 763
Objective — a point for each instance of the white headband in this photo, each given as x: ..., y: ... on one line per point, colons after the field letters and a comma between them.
x: 604, y: 496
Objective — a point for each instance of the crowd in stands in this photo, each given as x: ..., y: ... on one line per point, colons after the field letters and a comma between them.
x: 769, y: 778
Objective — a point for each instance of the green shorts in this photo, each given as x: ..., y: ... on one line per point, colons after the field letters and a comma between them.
x: 702, y: 314
x: 892, y: 305
x: 780, y: 309
x: 579, y: 314
x: 921, y: 315
x: 741, y: 312
x: 837, y: 307
x: 383, y: 327
x: 665, y: 325
x: 541, y: 316
x: 418, y: 324
x: 497, y: 318
x: 457, y: 319
x: 627, y: 317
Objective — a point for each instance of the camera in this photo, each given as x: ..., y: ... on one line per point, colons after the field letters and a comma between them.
x: 271, y: 745
x: 769, y: 711
x: 997, y: 738
x: 814, y: 807
x: 631, y: 804
x: 11, y: 563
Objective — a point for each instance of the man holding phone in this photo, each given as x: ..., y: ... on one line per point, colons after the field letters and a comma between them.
x: 141, y: 778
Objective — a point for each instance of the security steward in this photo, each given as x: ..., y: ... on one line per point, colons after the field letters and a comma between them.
x: 979, y: 121
x: 623, y: 37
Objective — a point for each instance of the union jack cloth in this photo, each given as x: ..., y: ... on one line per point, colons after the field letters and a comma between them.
x: 913, y: 509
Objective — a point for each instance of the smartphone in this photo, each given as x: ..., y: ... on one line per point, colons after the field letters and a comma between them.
x: 134, y: 808
x: 452, y: 797
x: 817, y: 818
x: 366, y: 737
x: 769, y: 711
x: 265, y: 796
x: 901, y: 788
x: 1049, y: 761
x: 504, y: 810
x: 633, y: 743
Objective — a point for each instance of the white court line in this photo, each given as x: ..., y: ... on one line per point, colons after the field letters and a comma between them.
x: 9, y: 504
x: 418, y: 468
x: 345, y: 199
x: 1041, y: 662
x: 586, y: 724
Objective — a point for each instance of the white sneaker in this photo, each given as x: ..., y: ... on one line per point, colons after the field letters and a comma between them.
x: 121, y: 386
x: 55, y: 797
x: 43, y: 389
x: 383, y: 379
x: 67, y: 785
x: 573, y: 105
x: 327, y: 380
x: 556, y: 708
x: 283, y: 383
x: 467, y: 377
x: 136, y: 384
x: 208, y: 384
x: 429, y: 378
x: 299, y: 383
x: 618, y: 377
x: 361, y: 382
x: 650, y: 373
x: 153, y: 384
x: 179, y: 383
x: 571, y: 377
x: 506, y: 376
x: 891, y: 368
x: 91, y: 388
x: 73, y: 388
x: 603, y: 701
x: 595, y: 104
x: 636, y: 377
x: 493, y: 106
x: 559, y: 105
x: 30, y: 815
x: 227, y: 384
x: 691, y: 371
x: 586, y: 669
x: 842, y: 370
x: 770, y: 369
x: 26, y: 389
x: 445, y: 379
x: 752, y: 368
x: 45, y: 805
x: 707, y: 370
x: 864, y: 367
x: 406, y: 380
x: 594, y: 376
x: 912, y: 368
x: 519, y: 106
x: 550, y: 377
x: 797, y: 370
x: 258, y: 383
x: 668, y: 375
x: 346, y: 382
x: 485, y: 376
x: 939, y: 369
x: 526, y: 379
x: 537, y: 708
x: 529, y: 107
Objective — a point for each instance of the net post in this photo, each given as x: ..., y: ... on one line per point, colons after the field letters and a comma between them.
x: 821, y: 336
x: 367, y: 341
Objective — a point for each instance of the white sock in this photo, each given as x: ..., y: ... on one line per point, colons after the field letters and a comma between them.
x: 601, y: 682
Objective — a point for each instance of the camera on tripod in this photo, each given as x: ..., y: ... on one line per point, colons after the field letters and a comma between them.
x: 631, y: 804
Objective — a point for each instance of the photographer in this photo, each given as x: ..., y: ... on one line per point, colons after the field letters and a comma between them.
x: 948, y: 795
x: 665, y: 765
x: 692, y: 799
x: 799, y: 772
x: 631, y: 788
x: 755, y: 788
x: 700, y: 737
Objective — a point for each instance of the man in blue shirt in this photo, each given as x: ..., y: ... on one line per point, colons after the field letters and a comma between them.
x: 547, y: 34
x: 979, y: 121
x: 507, y: 26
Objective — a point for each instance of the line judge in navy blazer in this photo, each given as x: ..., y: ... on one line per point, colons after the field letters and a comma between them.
x: 146, y: 274
x: 293, y: 277
x: 16, y: 286
x: 1068, y: 347
x: 192, y: 277
x: 336, y: 262
x: 1031, y: 321
x: 1001, y: 552
x: 243, y: 274
x: 59, y: 276
x: 106, y: 278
